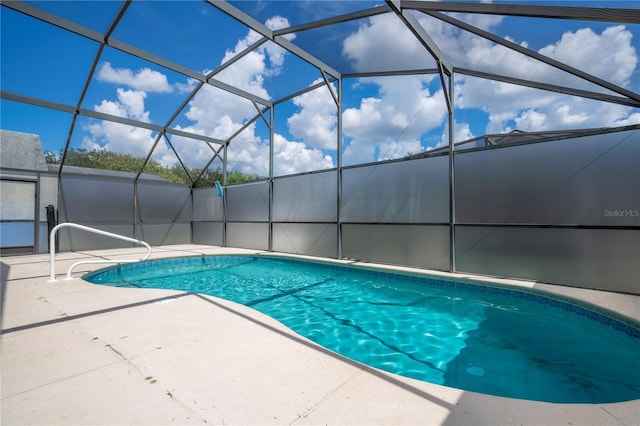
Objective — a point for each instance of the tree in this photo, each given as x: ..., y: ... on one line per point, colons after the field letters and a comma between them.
x: 108, y: 160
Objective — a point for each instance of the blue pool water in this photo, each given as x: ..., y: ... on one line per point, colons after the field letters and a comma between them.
x: 494, y: 340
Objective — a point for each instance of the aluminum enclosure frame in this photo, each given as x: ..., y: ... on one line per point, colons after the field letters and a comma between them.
x: 404, y: 10
x: 401, y: 9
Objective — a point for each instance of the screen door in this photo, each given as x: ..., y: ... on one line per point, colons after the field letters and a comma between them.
x: 17, y: 216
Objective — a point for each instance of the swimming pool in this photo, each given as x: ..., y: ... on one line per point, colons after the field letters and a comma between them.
x: 495, y: 340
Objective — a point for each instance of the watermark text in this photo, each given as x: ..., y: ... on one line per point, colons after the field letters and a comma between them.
x: 621, y: 213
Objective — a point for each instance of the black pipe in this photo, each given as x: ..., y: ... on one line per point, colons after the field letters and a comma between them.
x: 51, y: 223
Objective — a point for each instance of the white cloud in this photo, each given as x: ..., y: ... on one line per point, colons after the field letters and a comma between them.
x: 387, y: 124
x: 275, y: 53
x: 531, y: 119
x: 193, y: 152
x: 218, y: 114
x: 315, y: 123
x: 455, y: 43
x: 188, y: 86
x: 129, y: 103
x: 295, y: 157
x: 390, y: 125
x: 373, y: 129
x: 214, y: 113
x: 117, y: 137
x: 385, y: 33
x: 248, y: 154
x: 249, y: 73
x: 609, y: 55
x: 461, y: 132
x: 145, y: 79
x: 633, y: 118
x: 484, y: 22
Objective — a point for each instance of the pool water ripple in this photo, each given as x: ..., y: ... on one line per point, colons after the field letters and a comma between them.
x: 474, y: 337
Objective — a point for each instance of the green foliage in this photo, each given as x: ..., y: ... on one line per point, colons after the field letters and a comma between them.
x: 107, y: 160
x: 51, y: 158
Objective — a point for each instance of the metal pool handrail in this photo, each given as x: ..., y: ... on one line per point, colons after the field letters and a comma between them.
x: 52, y: 249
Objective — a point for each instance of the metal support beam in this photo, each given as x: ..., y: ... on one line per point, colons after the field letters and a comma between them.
x: 184, y: 167
x: 237, y: 57
x: 535, y: 55
x: 390, y: 73
x: 239, y: 15
x: 598, y: 14
x: 353, y: 16
x: 256, y: 26
x: 270, y: 181
x: 126, y: 48
x: 330, y: 88
x: 304, y: 55
x: 303, y: 91
x: 448, y: 95
x: 216, y: 154
x: 414, y: 26
x: 452, y: 187
x: 261, y: 115
x: 34, y: 12
x: 102, y: 116
x: 193, y: 136
x: 148, y: 157
x: 224, y: 199
x: 339, y: 170
x: 37, y: 102
x: 184, y: 104
x: 549, y: 87
x: 87, y: 82
x: 244, y: 126
x: 149, y: 57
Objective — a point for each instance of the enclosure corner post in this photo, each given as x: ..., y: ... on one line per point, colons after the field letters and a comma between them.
x: 452, y: 186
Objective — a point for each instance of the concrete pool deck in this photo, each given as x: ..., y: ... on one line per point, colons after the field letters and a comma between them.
x: 78, y: 353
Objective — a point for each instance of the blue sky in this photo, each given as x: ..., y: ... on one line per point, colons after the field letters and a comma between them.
x: 383, y: 117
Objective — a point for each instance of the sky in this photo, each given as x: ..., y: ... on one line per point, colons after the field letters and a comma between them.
x: 383, y: 117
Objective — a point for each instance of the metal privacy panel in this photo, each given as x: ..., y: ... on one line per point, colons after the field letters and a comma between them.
x: 306, y: 198
x: 207, y: 206
x: 592, y: 180
x: 207, y: 233
x: 164, y: 203
x: 248, y: 235
x: 95, y: 200
x: 422, y: 246
x: 159, y: 234
x: 313, y: 239
x: 71, y: 239
x: 414, y: 191
x: 248, y: 202
x: 603, y: 259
